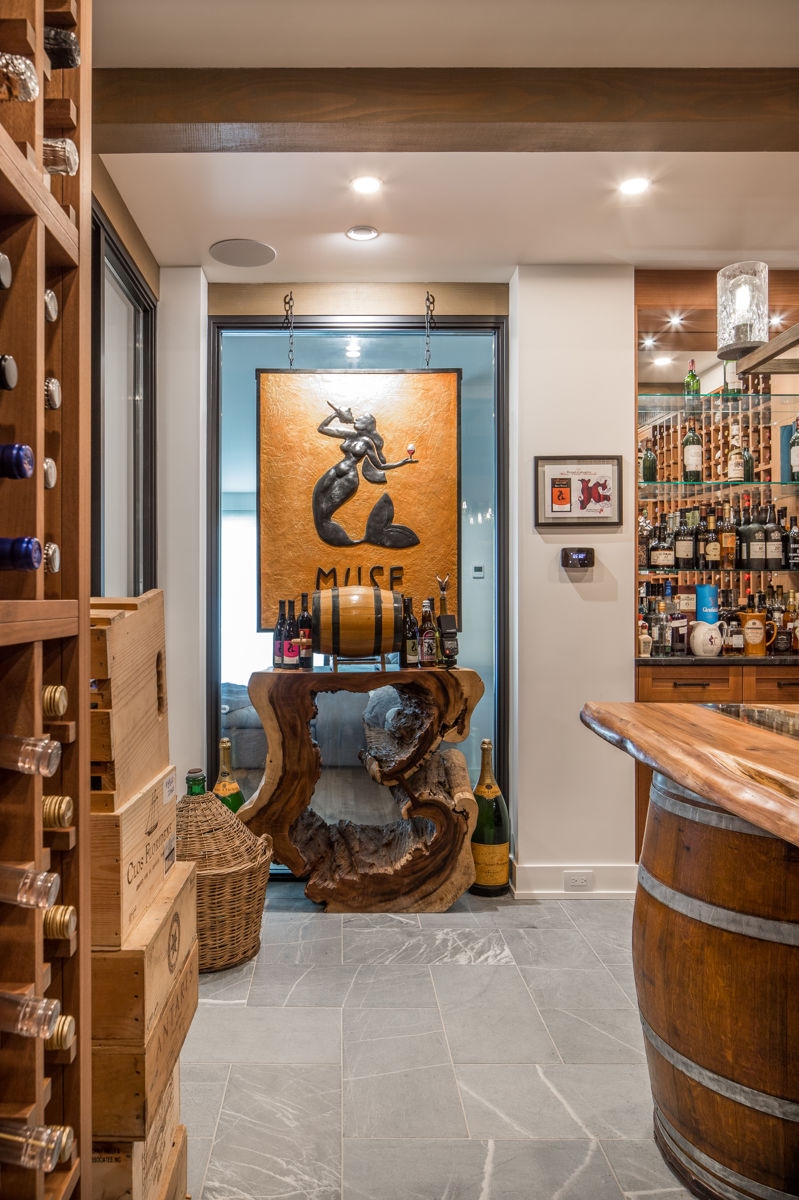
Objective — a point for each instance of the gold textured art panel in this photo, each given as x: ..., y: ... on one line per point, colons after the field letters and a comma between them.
x: 358, y: 483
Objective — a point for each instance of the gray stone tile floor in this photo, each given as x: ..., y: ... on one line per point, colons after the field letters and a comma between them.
x: 493, y: 1052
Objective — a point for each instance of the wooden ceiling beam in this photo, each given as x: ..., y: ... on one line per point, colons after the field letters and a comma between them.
x: 448, y: 110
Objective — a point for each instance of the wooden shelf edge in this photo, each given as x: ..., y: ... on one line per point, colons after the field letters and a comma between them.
x: 22, y: 193
x: 61, y: 1183
x: 37, y: 620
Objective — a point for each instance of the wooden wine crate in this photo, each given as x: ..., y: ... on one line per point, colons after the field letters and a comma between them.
x: 128, y: 1080
x: 133, y: 851
x: 123, y: 1170
x: 176, y: 1175
x: 130, y: 986
x: 129, y: 722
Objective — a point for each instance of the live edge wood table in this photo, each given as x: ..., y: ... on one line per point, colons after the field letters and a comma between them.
x: 423, y: 860
x: 716, y: 938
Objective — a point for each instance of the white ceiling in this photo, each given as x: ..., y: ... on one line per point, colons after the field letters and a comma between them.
x: 456, y: 217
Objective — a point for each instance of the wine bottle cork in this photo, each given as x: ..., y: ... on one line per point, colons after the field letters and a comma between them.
x: 57, y: 812
x: 60, y: 921
x: 54, y: 700
x: 63, y: 1035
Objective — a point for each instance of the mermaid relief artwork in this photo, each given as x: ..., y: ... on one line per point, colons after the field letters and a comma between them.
x: 360, y: 444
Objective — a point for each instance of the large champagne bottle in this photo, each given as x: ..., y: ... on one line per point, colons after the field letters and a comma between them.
x: 491, y: 837
x: 227, y: 787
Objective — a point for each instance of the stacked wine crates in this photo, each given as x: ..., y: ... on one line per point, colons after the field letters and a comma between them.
x: 145, y: 963
x: 45, y: 232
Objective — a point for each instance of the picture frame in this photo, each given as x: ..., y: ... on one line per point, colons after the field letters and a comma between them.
x: 575, y: 491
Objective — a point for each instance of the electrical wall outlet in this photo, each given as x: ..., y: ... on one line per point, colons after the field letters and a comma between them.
x: 578, y: 881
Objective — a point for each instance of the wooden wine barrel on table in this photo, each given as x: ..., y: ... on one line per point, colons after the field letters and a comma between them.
x: 716, y: 956
x: 356, y: 622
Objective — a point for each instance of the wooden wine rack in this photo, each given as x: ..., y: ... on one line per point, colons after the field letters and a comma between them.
x: 45, y: 229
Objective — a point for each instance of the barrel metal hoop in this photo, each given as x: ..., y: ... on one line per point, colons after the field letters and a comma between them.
x: 397, y: 618
x: 377, y: 644
x: 714, y: 1174
x: 774, y: 1106
x: 785, y: 933
x: 703, y: 816
x: 335, y: 620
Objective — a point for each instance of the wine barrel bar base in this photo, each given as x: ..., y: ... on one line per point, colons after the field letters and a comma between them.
x: 422, y: 862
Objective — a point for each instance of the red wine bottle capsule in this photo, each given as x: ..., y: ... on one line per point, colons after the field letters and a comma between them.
x: 20, y: 554
x: 16, y: 461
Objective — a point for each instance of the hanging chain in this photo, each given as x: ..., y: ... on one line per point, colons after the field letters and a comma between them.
x: 288, y: 323
x: 429, y: 323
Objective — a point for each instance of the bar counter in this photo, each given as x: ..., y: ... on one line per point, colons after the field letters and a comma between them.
x: 716, y: 938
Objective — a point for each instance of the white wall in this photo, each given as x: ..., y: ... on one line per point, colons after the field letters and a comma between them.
x: 572, y: 382
x: 182, y: 466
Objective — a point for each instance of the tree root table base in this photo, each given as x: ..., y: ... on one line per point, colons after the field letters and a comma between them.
x: 422, y: 862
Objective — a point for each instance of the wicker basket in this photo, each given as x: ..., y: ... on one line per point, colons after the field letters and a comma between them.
x: 232, y: 874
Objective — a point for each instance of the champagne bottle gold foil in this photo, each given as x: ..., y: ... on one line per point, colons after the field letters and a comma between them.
x: 63, y: 1035
x: 57, y: 811
x: 60, y: 921
x: 54, y: 700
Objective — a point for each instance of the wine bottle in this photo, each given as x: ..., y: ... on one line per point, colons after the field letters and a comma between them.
x: 692, y: 455
x: 684, y: 545
x: 660, y: 630
x: 409, y: 646
x: 195, y: 781
x: 62, y: 47
x: 60, y: 921
x: 291, y: 640
x: 35, y: 1147
x: 692, y: 398
x: 51, y: 557
x: 60, y: 156
x: 649, y: 463
x: 793, y: 545
x: 446, y: 627
x: 28, y: 1016
x: 16, y: 461
x: 277, y: 636
x: 735, y: 463
x: 794, y: 449
x: 29, y: 755
x: 57, y: 812
x: 491, y: 837
x: 712, y: 545
x: 427, y: 637
x: 18, y: 78
x: 305, y: 627
x: 773, y: 540
x: 227, y: 787
x: 6, y: 272
x: 748, y: 460
x: 50, y: 472
x: 644, y: 539
x: 52, y: 392
x: 756, y: 543
x: 20, y: 554
x: 55, y: 701
x: 63, y: 1034
x: 50, y: 305
x: 728, y: 537
x: 9, y: 373
x: 28, y: 888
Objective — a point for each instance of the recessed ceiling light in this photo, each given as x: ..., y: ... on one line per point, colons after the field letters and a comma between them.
x: 242, y: 252
x: 776, y: 320
x: 664, y: 360
x: 367, y: 185
x: 362, y: 233
x: 634, y: 187
x: 648, y: 342
x: 675, y: 320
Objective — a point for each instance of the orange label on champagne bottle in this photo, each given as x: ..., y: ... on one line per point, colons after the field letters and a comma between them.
x: 491, y: 864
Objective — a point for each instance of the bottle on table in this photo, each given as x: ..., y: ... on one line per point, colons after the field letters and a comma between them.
x: 446, y: 628
x: 277, y: 636
x: 409, y: 646
x: 305, y: 627
x: 291, y: 640
x: 227, y: 787
x: 678, y: 622
x: 692, y: 455
x: 427, y: 637
x: 491, y: 837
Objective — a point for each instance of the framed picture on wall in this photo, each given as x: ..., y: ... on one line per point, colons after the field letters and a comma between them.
x: 572, y: 490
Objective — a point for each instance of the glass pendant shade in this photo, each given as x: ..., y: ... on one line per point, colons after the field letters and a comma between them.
x: 742, y: 309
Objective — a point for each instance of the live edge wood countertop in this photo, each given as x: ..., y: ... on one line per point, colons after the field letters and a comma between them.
x: 750, y: 771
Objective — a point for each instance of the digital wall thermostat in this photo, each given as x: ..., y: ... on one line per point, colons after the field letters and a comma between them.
x: 577, y: 559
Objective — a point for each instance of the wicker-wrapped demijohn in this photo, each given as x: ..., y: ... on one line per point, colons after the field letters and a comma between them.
x: 232, y: 874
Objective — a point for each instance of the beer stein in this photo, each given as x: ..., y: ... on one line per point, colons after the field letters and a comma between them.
x: 759, y: 632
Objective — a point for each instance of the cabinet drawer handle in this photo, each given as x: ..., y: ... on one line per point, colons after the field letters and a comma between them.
x: 703, y: 683
x: 787, y: 683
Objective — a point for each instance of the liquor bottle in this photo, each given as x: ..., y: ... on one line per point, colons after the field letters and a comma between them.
x: 6, y: 272
x: 35, y: 1147
x: 28, y: 888
x: 60, y: 156
x: 644, y: 538
x: 57, y: 812
x: 649, y: 463
x: 735, y: 463
x: 773, y: 540
x: 783, y: 636
x: 712, y: 545
x: 793, y: 545
x: 756, y: 542
x: 62, y: 47
x: 678, y: 623
x: 782, y: 521
x: 50, y: 472
x: 28, y: 1016
x: 409, y: 646
x: 692, y: 397
x: 692, y: 455
x: 439, y: 650
x: 277, y: 636
x: 660, y: 630
x: 227, y: 787
x: 291, y: 640
x: 743, y: 534
x: 60, y: 921
x: 728, y: 539
x: 734, y: 637
x: 661, y: 556
x: 52, y: 392
x: 491, y: 837
x: 18, y: 78
x: 50, y: 305
x: 29, y: 755
x: 305, y: 627
x: 748, y: 460
x: 794, y: 449
x: 427, y: 637
x: 9, y: 373
x: 16, y: 461
x: 701, y: 539
x: 684, y: 545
